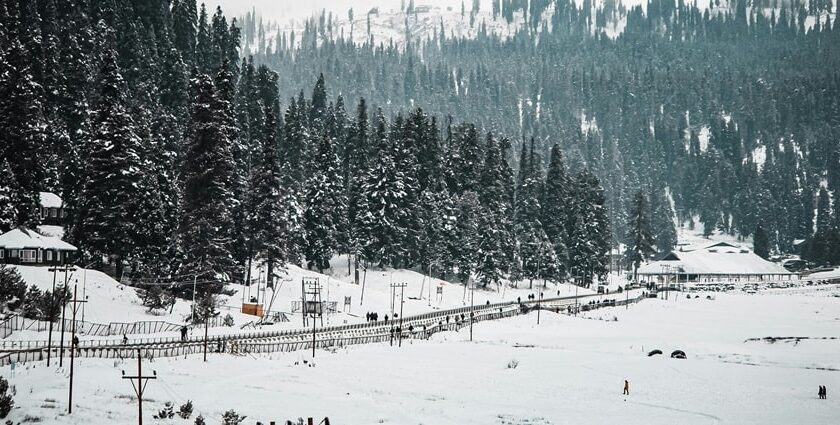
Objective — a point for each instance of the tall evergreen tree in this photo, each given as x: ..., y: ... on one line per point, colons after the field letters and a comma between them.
x: 662, y: 221
x: 495, y: 240
x: 761, y: 243
x: 206, y: 171
x: 22, y: 124
x: 325, y: 201
x: 8, y: 209
x: 268, y: 226
x: 640, y: 243
x: 556, y: 202
x: 108, y: 217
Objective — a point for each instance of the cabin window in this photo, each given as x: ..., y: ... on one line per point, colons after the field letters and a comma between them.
x: 2, y: 253
x: 53, y: 212
x: 27, y: 256
x: 49, y: 256
x: 13, y: 253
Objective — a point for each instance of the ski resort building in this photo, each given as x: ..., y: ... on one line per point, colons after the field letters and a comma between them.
x: 716, y: 262
x: 24, y: 246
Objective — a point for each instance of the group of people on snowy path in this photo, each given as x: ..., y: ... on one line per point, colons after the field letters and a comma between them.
x: 821, y: 393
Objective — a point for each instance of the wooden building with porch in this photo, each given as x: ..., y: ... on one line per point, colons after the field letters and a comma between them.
x: 28, y: 247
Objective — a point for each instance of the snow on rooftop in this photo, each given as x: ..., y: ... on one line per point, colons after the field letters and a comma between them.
x: 721, y: 258
x: 21, y: 238
x: 50, y: 200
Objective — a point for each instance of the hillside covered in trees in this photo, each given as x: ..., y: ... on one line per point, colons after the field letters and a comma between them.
x: 732, y: 113
x: 174, y: 157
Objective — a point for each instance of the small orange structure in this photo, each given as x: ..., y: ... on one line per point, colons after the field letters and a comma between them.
x: 253, y: 309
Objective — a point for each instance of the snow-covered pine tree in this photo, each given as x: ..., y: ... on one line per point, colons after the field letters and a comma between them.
x: 225, y: 84
x: 538, y: 257
x: 591, y: 235
x: 318, y: 108
x: 184, y: 26
x: 206, y: 168
x: 22, y: 125
x: 640, y: 242
x: 761, y: 243
x: 8, y: 208
x: 108, y: 220
x: 267, y: 222
x: 662, y: 220
x: 496, y: 241
x: 464, y: 249
x: 325, y: 201
x: 382, y: 213
x: 406, y: 136
x: 463, y: 159
x: 556, y: 206
x: 355, y: 166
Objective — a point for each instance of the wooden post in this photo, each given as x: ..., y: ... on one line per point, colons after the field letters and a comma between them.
x: 73, y: 347
x: 140, y: 386
x: 52, y: 302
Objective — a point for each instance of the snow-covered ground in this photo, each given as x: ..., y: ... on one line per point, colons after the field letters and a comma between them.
x: 109, y: 301
x: 570, y: 370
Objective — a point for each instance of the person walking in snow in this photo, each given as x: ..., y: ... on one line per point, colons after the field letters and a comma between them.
x: 183, y: 333
x: 626, y: 387
x: 125, y: 339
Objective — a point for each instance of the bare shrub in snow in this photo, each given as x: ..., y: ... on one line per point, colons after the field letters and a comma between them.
x: 199, y: 420
x: 228, y: 321
x: 513, y: 364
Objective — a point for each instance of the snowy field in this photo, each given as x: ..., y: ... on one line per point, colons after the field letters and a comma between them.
x: 570, y: 370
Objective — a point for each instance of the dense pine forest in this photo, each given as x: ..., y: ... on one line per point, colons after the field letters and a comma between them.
x: 174, y: 157
x: 731, y: 113
x: 179, y: 150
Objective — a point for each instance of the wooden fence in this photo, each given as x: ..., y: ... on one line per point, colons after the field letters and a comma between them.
x: 414, y: 327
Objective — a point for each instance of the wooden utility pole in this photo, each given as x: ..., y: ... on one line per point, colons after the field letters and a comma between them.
x: 52, y: 308
x: 394, y: 287
x: 63, y: 310
x: 472, y: 299
x: 206, y: 325
x: 314, y: 308
x: 539, y: 307
x: 73, y: 347
x: 140, y: 386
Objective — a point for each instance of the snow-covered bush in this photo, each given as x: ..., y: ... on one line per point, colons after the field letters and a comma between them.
x: 6, y: 402
x: 186, y: 409
x: 12, y: 288
x: 232, y: 418
x: 513, y: 364
x: 166, y: 413
x: 199, y: 420
x: 228, y: 321
x: 157, y: 300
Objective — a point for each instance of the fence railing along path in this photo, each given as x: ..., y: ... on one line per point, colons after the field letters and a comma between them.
x: 20, y: 323
x: 424, y: 325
